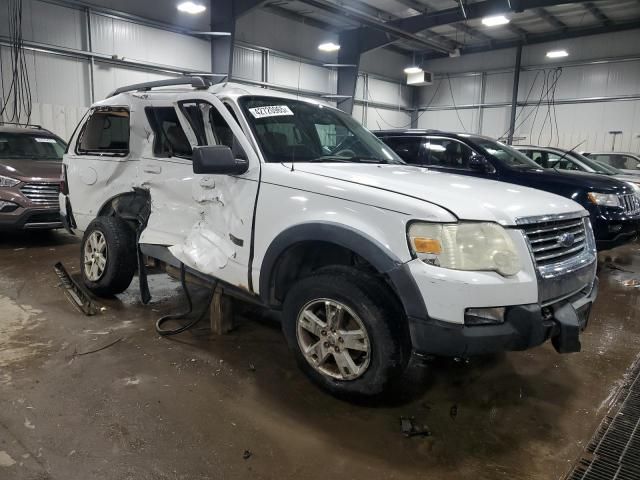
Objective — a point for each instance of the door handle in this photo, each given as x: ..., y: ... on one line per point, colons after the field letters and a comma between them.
x: 152, y: 169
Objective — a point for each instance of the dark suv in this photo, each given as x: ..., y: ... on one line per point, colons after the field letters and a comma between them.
x: 30, y: 176
x: 614, y: 206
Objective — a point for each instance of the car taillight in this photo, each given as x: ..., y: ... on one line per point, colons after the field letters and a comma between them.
x: 64, y: 187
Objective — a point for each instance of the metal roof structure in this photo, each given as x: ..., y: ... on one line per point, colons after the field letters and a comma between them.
x: 435, y: 28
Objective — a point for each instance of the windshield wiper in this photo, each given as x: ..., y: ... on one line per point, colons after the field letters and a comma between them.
x: 330, y: 158
x: 565, y: 154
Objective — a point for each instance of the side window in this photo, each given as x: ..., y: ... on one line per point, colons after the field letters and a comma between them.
x: 555, y: 161
x: 541, y: 158
x: 630, y: 163
x: 210, y: 127
x: 408, y: 148
x: 169, y: 137
x: 443, y: 152
x: 106, y: 132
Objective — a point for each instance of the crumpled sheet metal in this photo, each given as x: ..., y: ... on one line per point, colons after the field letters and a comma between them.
x: 204, y: 250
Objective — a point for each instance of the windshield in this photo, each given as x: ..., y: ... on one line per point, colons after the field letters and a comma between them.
x: 593, y: 164
x: 30, y: 146
x: 613, y: 170
x: 506, y: 154
x: 296, y: 131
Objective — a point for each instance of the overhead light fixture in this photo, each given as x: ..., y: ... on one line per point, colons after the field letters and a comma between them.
x: 557, y: 54
x: 495, y: 20
x: 192, y: 8
x: 413, y: 69
x: 329, y: 47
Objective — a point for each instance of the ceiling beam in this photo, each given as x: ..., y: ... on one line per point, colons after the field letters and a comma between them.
x: 597, y: 13
x: 535, y: 38
x: 519, y: 31
x: 240, y: 7
x: 387, y: 30
x: 550, y: 19
x: 416, y: 5
x: 373, y: 39
x: 474, y: 32
x: 291, y: 15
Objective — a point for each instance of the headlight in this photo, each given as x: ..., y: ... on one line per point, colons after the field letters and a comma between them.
x: 8, y: 181
x: 604, y: 199
x: 465, y: 246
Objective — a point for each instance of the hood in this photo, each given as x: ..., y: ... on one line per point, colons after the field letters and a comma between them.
x: 31, y: 170
x: 627, y: 178
x: 592, y: 182
x: 468, y: 198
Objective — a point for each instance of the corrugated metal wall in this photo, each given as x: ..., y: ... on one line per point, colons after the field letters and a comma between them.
x: 61, y: 84
x: 588, y: 91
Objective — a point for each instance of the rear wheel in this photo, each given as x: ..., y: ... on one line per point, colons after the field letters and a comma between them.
x: 108, y: 256
x: 346, y: 331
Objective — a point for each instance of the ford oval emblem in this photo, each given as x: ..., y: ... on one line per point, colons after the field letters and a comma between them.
x: 566, y: 239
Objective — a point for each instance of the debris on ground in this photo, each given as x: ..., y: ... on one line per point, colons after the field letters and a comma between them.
x: 613, y: 266
x: 453, y: 411
x: 78, y: 297
x: 410, y: 428
x: 247, y: 454
x: 252, y: 367
x: 633, y: 282
x: 104, y: 347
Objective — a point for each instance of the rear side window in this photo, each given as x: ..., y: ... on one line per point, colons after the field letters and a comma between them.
x: 444, y: 152
x: 408, y: 148
x: 106, y: 132
x: 169, y: 137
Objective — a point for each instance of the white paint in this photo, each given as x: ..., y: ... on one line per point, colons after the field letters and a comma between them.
x: 206, y: 220
x: 6, y: 460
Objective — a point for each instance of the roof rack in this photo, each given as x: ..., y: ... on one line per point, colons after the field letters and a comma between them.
x: 32, y: 125
x: 195, y: 82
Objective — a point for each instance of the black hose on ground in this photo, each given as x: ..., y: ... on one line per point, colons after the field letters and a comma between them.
x: 178, y: 316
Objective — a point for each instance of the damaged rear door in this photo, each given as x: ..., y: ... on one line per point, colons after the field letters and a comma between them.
x: 219, y: 242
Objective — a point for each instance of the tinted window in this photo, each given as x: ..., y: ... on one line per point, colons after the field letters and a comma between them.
x: 291, y: 130
x: 106, y: 132
x: 447, y: 153
x: 504, y: 153
x: 169, y: 137
x: 408, y: 148
x: 31, y: 146
x: 629, y: 162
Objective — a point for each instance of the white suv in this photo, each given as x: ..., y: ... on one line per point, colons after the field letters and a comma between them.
x: 294, y: 204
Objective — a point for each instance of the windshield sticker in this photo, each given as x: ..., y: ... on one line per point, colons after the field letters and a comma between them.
x: 45, y: 140
x: 271, y: 111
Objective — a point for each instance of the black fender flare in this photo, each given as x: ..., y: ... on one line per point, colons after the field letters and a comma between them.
x: 383, y: 260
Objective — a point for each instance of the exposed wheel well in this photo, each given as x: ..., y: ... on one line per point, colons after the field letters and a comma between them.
x: 134, y: 207
x: 304, y: 258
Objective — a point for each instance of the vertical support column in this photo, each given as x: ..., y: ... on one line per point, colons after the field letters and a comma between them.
x: 92, y: 88
x: 265, y: 67
x: 483, y: 96
x: 514, y: 97
x: 349, y: 53
x: 222, y: 20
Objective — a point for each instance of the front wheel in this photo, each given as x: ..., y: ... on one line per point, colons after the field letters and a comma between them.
x: 108, y: 256
x: 346, y: 332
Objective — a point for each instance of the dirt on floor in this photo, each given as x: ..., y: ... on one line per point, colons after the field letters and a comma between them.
x: 236, y: 407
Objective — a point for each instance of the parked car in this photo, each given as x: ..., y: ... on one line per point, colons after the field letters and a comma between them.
x: 291, y: 203
x: 628, y: 163
x: 613, y: 205
x: 559, y: 159
x: 30, y: 175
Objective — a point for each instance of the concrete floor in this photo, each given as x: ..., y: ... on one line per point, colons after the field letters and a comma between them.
x: 189, y: 407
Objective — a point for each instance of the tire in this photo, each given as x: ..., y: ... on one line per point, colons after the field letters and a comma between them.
x: 375, y: 309
x: 113, y: 265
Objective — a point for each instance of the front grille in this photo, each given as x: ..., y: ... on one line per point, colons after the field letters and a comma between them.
x: 614, y: 452
x: 630, y: 203
x: 556, y: 241
x: 42, y: 194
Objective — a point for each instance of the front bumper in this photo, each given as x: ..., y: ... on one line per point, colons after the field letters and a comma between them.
x: 525, y: 326
x: 613, y: 229
x: 30, y: 219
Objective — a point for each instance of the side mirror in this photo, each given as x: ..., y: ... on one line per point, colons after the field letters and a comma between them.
x: 217, y: 160
x: 480, y: 164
